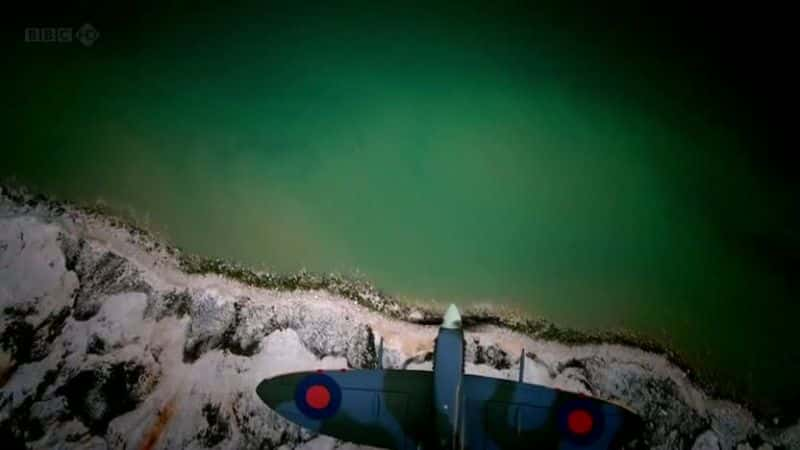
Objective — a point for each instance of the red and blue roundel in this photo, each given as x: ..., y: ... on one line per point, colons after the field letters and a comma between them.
x: 318, y: 396
x: 581, y: 421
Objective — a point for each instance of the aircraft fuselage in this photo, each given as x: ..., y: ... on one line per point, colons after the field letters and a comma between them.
x: 448, y: 370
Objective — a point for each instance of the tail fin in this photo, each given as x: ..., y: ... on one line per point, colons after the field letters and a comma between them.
x: 522, y: 365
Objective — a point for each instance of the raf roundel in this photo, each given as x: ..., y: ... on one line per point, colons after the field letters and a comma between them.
x: 581, y: 421
x: 318, y: 396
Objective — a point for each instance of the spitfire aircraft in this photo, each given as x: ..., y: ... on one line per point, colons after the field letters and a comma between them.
x: 445, y: 408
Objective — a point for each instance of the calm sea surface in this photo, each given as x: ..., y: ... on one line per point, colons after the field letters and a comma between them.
x: 464, y: 162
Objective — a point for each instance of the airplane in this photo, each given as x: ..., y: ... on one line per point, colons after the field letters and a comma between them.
x: 445, y: 408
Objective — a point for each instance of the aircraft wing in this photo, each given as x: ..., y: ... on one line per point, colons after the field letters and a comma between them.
x: 382, y: 408
x: 501, y: 414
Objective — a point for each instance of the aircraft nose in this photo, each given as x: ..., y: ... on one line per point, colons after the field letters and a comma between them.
x: 452, y: 318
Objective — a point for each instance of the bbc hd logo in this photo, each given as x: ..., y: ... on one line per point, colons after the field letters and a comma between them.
x: 86, y: 35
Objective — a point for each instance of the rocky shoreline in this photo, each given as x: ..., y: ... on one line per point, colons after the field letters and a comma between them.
x: 112, y: 339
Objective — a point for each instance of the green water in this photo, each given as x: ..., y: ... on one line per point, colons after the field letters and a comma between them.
x: 449, y: 159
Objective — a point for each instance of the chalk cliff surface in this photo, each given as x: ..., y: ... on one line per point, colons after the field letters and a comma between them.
x: 107, y: 340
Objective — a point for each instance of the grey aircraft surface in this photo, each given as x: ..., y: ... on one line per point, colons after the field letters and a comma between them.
x: 445, y: 408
